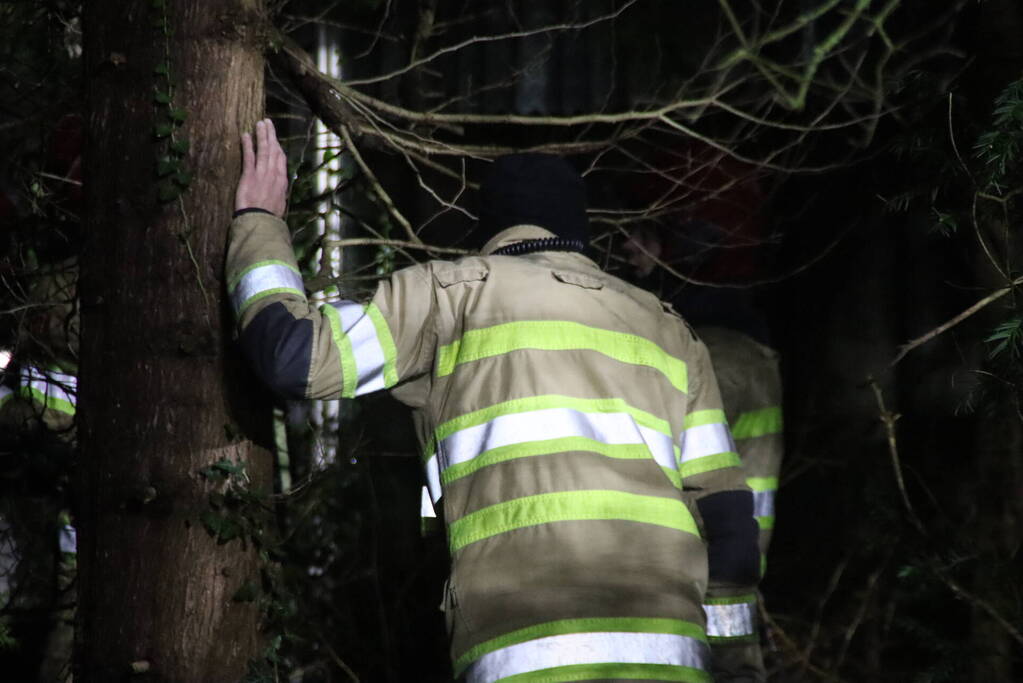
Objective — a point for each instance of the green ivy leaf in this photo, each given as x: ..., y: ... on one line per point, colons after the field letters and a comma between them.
x: 179, y: 146
x: 229, y: 530
x: 212, y: 474
x: 212, y: 522
x: 178, y: 115
x: 162, y: 97
x: 183, y: 178
x: 162, y: 70
x: 168, y: 191
x: 225, y: 465
x: 162, y: 130
x: 166, y: 166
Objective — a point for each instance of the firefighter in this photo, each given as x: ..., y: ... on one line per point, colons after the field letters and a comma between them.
x: 748, y: 374
x: 572, y: 432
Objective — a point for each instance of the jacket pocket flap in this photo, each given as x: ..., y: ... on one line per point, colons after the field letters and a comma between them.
x: 452, y: 275
x: 578, y: 279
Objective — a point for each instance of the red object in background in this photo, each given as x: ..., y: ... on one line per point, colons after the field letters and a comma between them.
x: 710, y: 210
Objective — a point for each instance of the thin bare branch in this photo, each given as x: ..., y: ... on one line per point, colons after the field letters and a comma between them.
x: 377, y: 188
x: 944, y: 327
x: 490, y: 39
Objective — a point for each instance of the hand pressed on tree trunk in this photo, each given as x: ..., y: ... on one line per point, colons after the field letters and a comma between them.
x: 264, y: 181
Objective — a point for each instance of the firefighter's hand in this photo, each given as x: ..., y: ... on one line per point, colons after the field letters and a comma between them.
x: 264, y: 181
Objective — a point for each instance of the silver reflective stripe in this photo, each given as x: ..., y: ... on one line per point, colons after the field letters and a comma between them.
x: 553, y: 423
x: 588, y: 648
x: 51, y: 384
x: 262, y: 279
x: 729, y: 621
x: 704, y: 440
x: 369, y: 354
x: 433, y: 478
x: 426, y: 509
x: 68, y: 539
x: 763, y: 503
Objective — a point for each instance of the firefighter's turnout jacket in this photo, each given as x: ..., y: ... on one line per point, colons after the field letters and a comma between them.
x: 749, y: 377
x: 35, y: 396
x: 750, y: 380
x: 570, y: 428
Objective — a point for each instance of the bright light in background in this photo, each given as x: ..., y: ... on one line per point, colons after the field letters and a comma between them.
x: 328, y: 61
x: 326, y: 414
x: 5, y: 359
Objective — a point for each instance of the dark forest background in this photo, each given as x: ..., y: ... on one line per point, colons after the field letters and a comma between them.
x: 852, y: 165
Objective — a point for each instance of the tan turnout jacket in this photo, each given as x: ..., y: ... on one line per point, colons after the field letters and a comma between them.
x: 568, y: 424
x: 750, y: 380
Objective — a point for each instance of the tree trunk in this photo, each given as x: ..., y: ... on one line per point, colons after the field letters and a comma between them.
x: 163, y: 394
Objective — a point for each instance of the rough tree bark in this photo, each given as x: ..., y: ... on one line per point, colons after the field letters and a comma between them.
x: 163, y: 394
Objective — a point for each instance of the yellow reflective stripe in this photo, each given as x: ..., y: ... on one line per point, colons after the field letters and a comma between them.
x: 386, y: 343
x: 703, y: 417
x: 346, y: 356
x: 673, y: 476
x: 691, y: 468
x: 557, y: 335
x: 48, y: 402
x: 565, y: 506
x: 765, y: 523
x: 53, y: 389
x: 758, y: 423
x: 762, y: 483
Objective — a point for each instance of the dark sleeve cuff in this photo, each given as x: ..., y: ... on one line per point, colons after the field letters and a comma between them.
x: 279, y: 347
x: 252, y: 209
x: 733, y: 555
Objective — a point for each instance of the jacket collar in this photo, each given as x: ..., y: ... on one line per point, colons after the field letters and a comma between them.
x: 516, y: 233
x: 521, y: 233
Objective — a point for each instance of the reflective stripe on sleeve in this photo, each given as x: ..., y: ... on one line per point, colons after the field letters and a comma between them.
x: 603, y: 649
x: 366, y: 365
x: 763, y: 504
x: 731, y: 617
x: 758, y: 423
x: 559, y: 335
x: 53, y: 390
x: 68, y: 539
x: 705, y: 444
x: 704, y: 440
x: 433, y: 478
x: 764, y: 490
x: 263, y: 279
x: 426, y: 509
x: 569, y: 506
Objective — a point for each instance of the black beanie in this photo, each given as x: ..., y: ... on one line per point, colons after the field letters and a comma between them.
x: 533, y: 189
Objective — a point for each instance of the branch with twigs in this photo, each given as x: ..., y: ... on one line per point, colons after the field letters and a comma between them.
x: 949, y: 324
x: 888, y: 419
